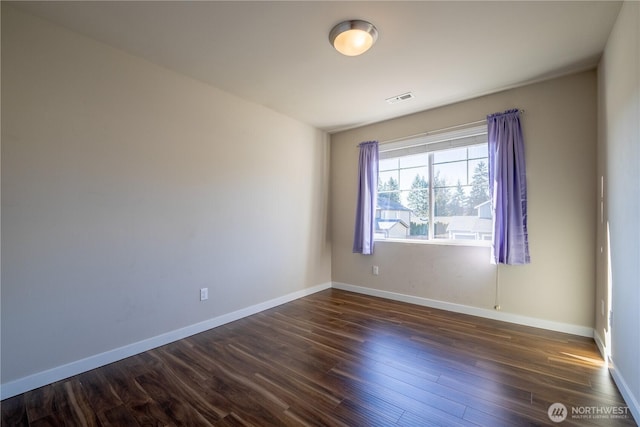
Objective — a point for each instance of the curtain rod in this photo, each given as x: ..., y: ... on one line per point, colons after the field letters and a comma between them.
x: 435, y: 131
x: 431, y: 132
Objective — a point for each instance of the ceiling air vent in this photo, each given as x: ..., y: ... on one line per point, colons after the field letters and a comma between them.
x: 400, y: 98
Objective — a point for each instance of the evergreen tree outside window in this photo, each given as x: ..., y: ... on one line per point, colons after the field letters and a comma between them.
x: 389, y: 190
x: 418, y: 198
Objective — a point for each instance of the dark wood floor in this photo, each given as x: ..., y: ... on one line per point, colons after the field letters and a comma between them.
x: 338, y: 359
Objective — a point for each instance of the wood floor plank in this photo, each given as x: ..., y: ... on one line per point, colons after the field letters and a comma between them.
x: 40, y: 403
x: 432, y: 417
x: 50, y: 420
x: 75, y: 408
x: 417, y: 403
x: 14, y: 411
x: 98, y: 391
x: 124, y: 384
x: 150, y: 413
x: 252, y: 401
x: 232, y: 420
x: 337, y: 358
x: 118, y: 416
x: 172, y: 399
x: 496, y: 418
x: 354, y: 414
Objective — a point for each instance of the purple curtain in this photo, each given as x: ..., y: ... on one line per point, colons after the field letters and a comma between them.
x: 508, y: 189
x: 367, y: 193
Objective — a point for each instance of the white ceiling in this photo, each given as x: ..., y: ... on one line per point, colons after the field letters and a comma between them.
x: 277, y: 54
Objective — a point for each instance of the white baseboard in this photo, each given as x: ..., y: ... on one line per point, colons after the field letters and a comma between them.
x: 625, y: 391
x: 21, y: 385
x: 473, y: 311
x: 601, y: 345
x: 623, y: 387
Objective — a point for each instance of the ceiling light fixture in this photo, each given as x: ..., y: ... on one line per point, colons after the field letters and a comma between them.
x: 353, y: 38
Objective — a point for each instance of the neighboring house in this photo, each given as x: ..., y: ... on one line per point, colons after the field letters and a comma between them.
x: 468, y: 227
x: 484, y: 210
x: 391, y: 228
x: 477, y: 227
x: 392, y: 219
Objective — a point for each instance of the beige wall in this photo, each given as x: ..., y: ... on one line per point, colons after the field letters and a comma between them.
x: 558, y: 286
x: 619, y: 164
x: 126, y: 188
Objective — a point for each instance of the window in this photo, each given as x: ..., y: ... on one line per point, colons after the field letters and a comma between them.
x: 435, y: 187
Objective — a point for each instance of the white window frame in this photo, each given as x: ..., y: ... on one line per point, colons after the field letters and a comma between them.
x: 432, y: 142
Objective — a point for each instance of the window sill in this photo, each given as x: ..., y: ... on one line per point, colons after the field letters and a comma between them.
x: 439, y: 242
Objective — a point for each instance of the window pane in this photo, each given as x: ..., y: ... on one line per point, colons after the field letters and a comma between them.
x: 414, y: 160
x: 450, y: 155
x: 477, y: 151
x: 388, y: 180
x: 408, y: 176
x: 448, y: 174
x: 441, y: 201
x: 388, y: 164
x: 418, y: 201
x: 479, y: 166
x: 388, y: 200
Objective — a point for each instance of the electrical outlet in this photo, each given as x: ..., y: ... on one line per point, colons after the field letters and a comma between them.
x: 375, y: 270
x: 204, y: 294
